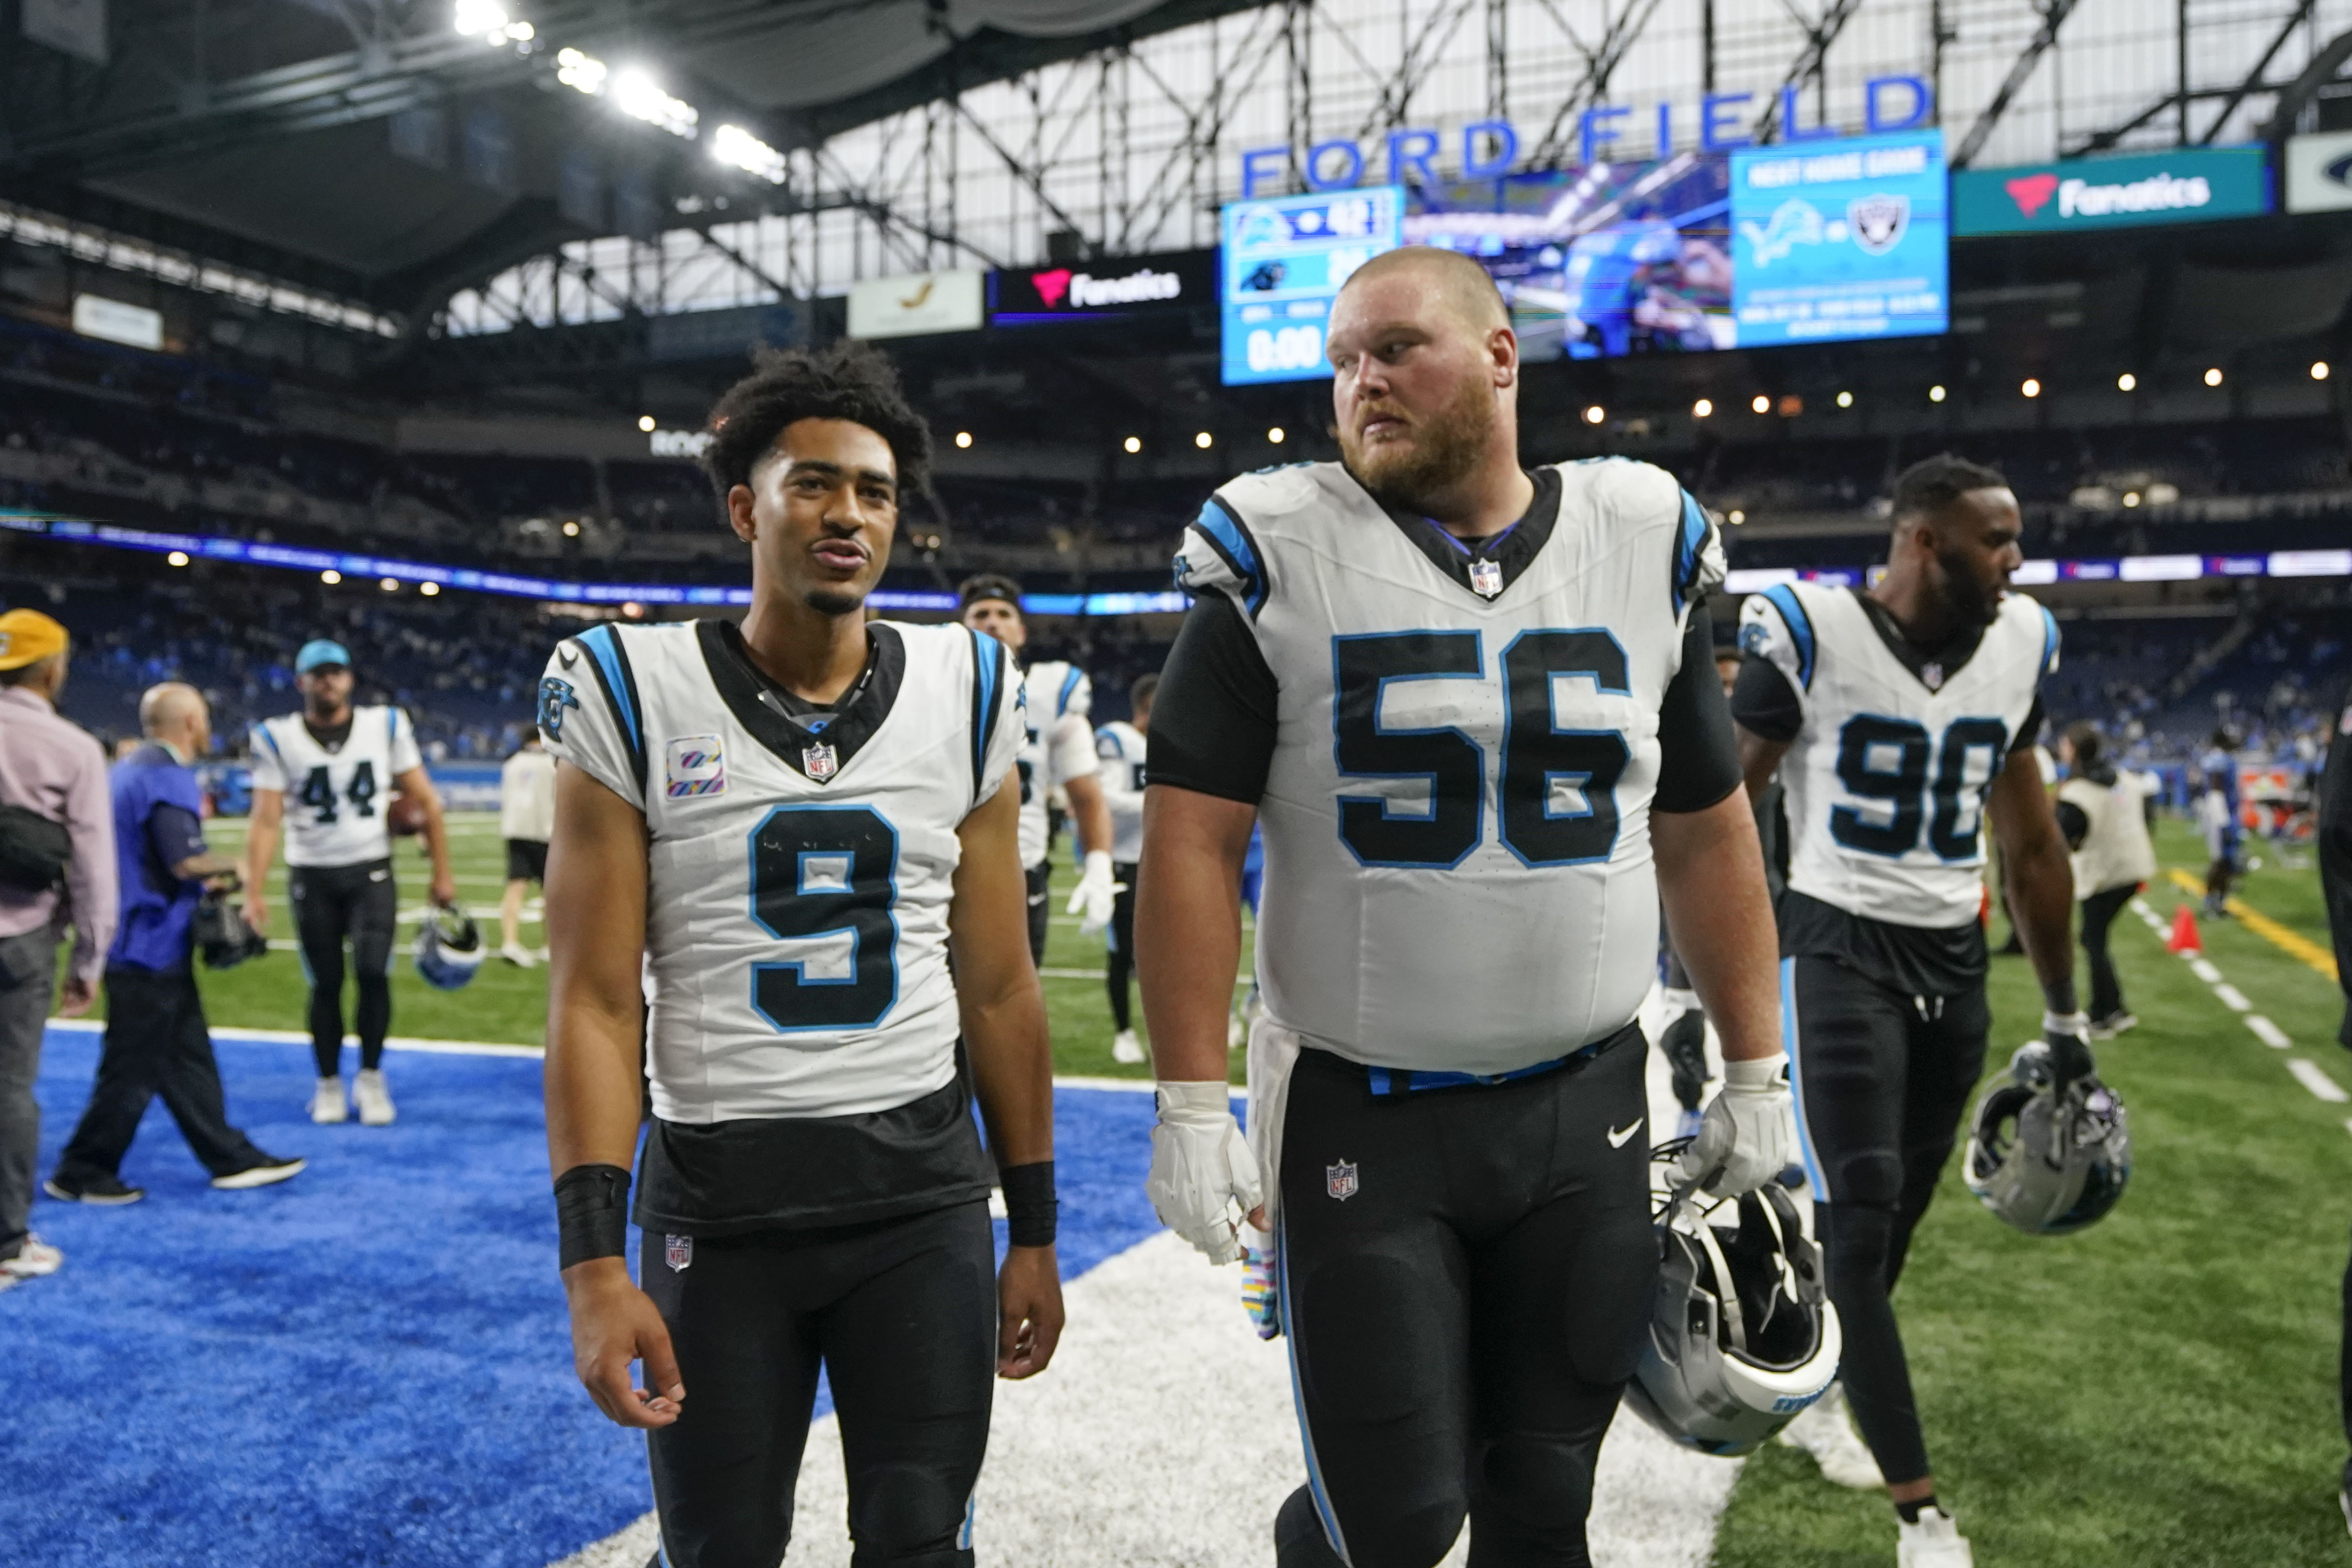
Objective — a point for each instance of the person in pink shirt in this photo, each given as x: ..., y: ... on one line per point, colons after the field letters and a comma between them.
x: 56, y: 867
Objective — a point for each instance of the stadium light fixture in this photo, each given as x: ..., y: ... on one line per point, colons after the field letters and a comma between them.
x: 581, y: 73
x: 1594, y: 413
x: 739, y: 148
x: 430, y: 590
x: 2031, y: 388
x: 178, y: 558
x: 1702, y: 408
x: 963, y: 438
x: 488, y: 20
x: 2214, y: 377
x: 1133, y: 445
x: 2319, y: 370
x: 571, y: 527
x: 1935, y: 394
x: 645, y: 423
x: 389, y: 584
x: 2127, y: 382
x: 1275, y: 435
x: 1204, y: 440
x: 1845, y: 400
x: 2131, y: 497
x: 633, y: 610
x: 638, y: 95
x: 1792, y: 405
x: 1760, y: 403
x: 331, y: 577
x: 1735, y: 517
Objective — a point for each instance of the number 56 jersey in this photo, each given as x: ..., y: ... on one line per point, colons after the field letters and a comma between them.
x: 800, y: 865
x: 1460, y: 751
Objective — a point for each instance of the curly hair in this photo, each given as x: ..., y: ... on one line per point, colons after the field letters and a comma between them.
x: 850, y: 380
x: 1935, y: 482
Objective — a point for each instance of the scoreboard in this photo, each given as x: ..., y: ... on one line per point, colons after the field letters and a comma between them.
x: 1282, y: 263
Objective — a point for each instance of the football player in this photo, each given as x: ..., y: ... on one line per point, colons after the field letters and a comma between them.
x: 1900, y: 719
x: 2217, y: 814
x: 1060, y: 753
x: 1476, y: 708
x: 341, y: 765
x: 793, y: 828
x: 1119, y: 745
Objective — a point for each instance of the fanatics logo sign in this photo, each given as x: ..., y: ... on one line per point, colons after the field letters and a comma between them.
x: 2186, y: 184
x: 1110, y: 289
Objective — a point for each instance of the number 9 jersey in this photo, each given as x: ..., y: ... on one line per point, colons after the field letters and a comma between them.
x: 800, y: 861
x: 1893, y: 752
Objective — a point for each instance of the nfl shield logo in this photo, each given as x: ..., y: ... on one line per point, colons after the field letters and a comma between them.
x: 1878, y: 221
x: 1339, y: 1180
x: 1932, y: 676
x: 1486, y: 579
x: 677, y: 1252
x: 820, y: 762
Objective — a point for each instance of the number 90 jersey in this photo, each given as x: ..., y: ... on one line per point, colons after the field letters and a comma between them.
x: 1456, y: 806
x: 335, y: 799
x: 799, y: 874
x: 1887, y: 776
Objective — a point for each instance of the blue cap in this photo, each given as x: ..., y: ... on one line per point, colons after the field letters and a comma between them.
x: 321, y: 652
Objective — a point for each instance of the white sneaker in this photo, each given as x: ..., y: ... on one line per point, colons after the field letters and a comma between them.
x: 34, y: 1259
x: 1827, y: 1433
x: 518, y: 954
x: 1126, y: 1050
x: 375, y: 1099
x: 1237, y: 1031
x: 327, y: 1103
x: 1934, y: 1542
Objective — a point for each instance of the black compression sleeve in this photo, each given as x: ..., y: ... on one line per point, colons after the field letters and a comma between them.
x: 1698, y: 755
x: 592, y: 1214
x: 1764, y: 702
x: 1030, y: 1206
x: 1213, y: 719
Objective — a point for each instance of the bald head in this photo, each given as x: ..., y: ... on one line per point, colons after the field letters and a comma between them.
x: 177, y: 714
x: 1460, y: 282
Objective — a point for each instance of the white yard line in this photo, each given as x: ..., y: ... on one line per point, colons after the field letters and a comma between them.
x: 2307, y: 1072
x: 2309, y: 1075
x: 2269, y: 1033
x: 2233, y: 998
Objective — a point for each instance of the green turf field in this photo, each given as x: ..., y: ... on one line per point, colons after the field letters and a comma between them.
x: 507, y: 1004
x: 2159, y: 1389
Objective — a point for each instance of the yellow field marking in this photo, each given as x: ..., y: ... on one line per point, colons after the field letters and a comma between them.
x: 2293, y: 943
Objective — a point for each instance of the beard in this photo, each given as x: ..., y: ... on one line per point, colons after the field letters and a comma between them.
x: 1444, y: 449
x: 832, y: 601
x: 1975, y: 604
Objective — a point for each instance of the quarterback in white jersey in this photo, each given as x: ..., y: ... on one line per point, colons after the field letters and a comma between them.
x: 1901, y: 720
x: 1119, y: 746
x: 1059, y: 755
x: 1475, y: 709
x: 325, y: 776
x: 791, y: 830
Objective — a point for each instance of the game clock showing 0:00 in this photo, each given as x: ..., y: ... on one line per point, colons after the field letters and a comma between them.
x: 1283, y: 261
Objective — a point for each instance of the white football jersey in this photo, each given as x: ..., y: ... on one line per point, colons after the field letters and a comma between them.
x: 1059, y: 744
x: 1887, y: 777
x: 1458, y: 875
x: 335, y: 799
x: 796, y: 918
x: 1118, y: 748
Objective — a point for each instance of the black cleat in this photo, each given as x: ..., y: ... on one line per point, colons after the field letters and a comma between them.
x: 103, y: 1190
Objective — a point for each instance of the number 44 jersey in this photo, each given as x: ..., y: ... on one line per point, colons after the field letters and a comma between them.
x: 800, y: 861
x: 335, y: 799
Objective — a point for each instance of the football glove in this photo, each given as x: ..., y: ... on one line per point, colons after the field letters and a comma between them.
x: 2068, y: 1035
x: 1092, y: 899
x: 1202, y: 1169
x: 1748, y: 1136
x: 1261, y: 1282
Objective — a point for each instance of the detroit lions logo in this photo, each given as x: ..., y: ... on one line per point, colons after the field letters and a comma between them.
x: 554, y: 696
x: 1794, y: 222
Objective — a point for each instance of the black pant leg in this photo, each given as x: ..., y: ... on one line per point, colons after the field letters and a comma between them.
x: 374, y: 920
x: 138, y: 1021
x: 188, y: 1077
x: 1948, y: 1057
x: 910, y: 1353
x: 2336, y: 887
x: 1041, y: 878
x: 2099, y: 912
x: 741, y: 1321
x: 1119, y: 960
x: 318, y: 897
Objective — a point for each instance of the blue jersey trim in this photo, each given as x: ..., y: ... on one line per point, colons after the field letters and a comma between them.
x: 1688, y: 547
x: 1069, y: 686
x: 2049, y: 641
x: 1224, y: 531
x: 620, y: 686
x: 1783, y: 598
x: 988, y: 661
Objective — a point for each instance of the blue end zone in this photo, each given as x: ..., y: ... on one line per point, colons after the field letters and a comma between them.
x: 369, y: 1365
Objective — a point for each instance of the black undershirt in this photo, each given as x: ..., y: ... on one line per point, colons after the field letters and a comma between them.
x: 331, y: 736
x: 1213, y: 718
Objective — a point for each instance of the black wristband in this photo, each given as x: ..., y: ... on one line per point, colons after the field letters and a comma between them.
x: 1030, y: 1207
x: 2059, y: 997
x: 592, y: 1214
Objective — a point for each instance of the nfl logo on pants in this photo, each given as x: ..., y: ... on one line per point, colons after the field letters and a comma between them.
x: 1339, y: 1180
x: 677, y: 1252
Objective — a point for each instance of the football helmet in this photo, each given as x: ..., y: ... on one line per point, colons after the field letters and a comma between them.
x: 1742, y: 1335
x: 2046, y: 1157
x: 448, y: 948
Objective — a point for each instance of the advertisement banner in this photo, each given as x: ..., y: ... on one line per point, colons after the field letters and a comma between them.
x: 910, y: 306
x: 1284, y: 261
x: 2184, y: 185
x: 2319, y: 173
x: 1110, y: 289
x: 1839, y: 240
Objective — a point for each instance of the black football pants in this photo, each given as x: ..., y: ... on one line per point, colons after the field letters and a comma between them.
x: 1882, y: 1081
x: 1041, y: 885
x: 902, y: 1315
x: 2099, y: 912
x: 332, y: 904
x: 1120, y: 958
x: 1466, y: 1276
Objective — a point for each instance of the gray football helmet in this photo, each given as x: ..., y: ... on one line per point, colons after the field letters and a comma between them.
x: 1742, y: 1334
x: 2048, y: 1159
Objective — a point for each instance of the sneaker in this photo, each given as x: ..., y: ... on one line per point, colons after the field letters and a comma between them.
x: 1934, y: 1542
x: 521, y: 956
x: 2344, y: 1495
x: 1688, y: 1124
x: 327, y: 1102
x: 103, y: 1190
x: 1235, y: 1032
x: 1126, y: 1050
x: 375, y: 1099
x: 1826, y: 1432
x: 2114, y: 1024
x: 33, y: 1260
x: 266, y: 1171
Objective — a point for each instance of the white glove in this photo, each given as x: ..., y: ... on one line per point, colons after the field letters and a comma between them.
x: 1092, y: 899
x: 1750, y: 1133
x: 1202, y: 1169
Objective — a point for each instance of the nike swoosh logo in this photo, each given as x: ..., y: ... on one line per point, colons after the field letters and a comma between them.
x: 1617, y: 1136
x: 564, y: 652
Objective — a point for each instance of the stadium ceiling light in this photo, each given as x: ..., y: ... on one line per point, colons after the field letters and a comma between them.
x: 1204, y: 440
x: 571, y: 527
x: 1761, y: 404
x: 331, y: 577
x: 1845, y: 400
x: 963, y: 438
x: 1935, y: 394
x: 488, y: 20
x: 633, y: 610
x: 646, y: 422
x: 739, y: 148
x: 2319, y: 370
x: 389, y: 584
x: 1275, y: 435
x: 2131, y: 497
x: 2031, y: 388
x: 2127, y: 381
x: 178, y: 558
x: 1735, y: 517
x: 583, y: 73
x: 1594, y: 413
x: 1702, y: 408
x: 1133, y: 443
x: 430, y: 590
x: 637, y: 95
x: 2214, y: 377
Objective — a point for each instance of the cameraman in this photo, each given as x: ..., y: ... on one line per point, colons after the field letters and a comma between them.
x: 157, y: 1041
x: 54, y: 827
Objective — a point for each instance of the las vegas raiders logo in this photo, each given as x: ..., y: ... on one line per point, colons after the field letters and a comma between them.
x: 1339, y: 1180
x: 1878, y: 221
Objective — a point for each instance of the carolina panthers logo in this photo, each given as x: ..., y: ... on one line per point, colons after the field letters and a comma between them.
x: 554, y: 696
x: 1751, y: 639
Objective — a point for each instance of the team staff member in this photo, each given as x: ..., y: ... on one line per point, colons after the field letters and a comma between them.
x: 526, y: 817
x: 2103, y: 815
x: 794, y: 828
x: 1119, y: 745
x: 1900, y: 719
x: 157, y: 1041
x: 339, y: 763
x: 1060, y: 754
x: 57, y: 825
x: 1470, y: 816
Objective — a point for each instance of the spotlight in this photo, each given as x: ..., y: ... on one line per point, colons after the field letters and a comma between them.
x: 178, y: 558
x: 1737, y: 516
x: 430, y: 590
x: 2131, y: 497
x: 645, y: 423
x: 1845, y: 400
x: 2127, y: 381
x: 331, y: 577
x: 1133, y: 443
x: 1275, y: 435
x: 1792, y: 405
x: 389, y: 584
x: 1701, y: 409
x: 1204, y: 440
x: 633, y: 610
x: 2214, y: 377
x: 1595, y: 414
x: 2319, y: 370
x: 963, y: 438
x: 1935, y: 394
x: 570, y: 529
x: 2031, y: 387
x: 1760, y: 403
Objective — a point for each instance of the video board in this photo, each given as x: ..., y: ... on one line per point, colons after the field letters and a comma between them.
x: 1833, y: 241
x: 1283, y: 261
